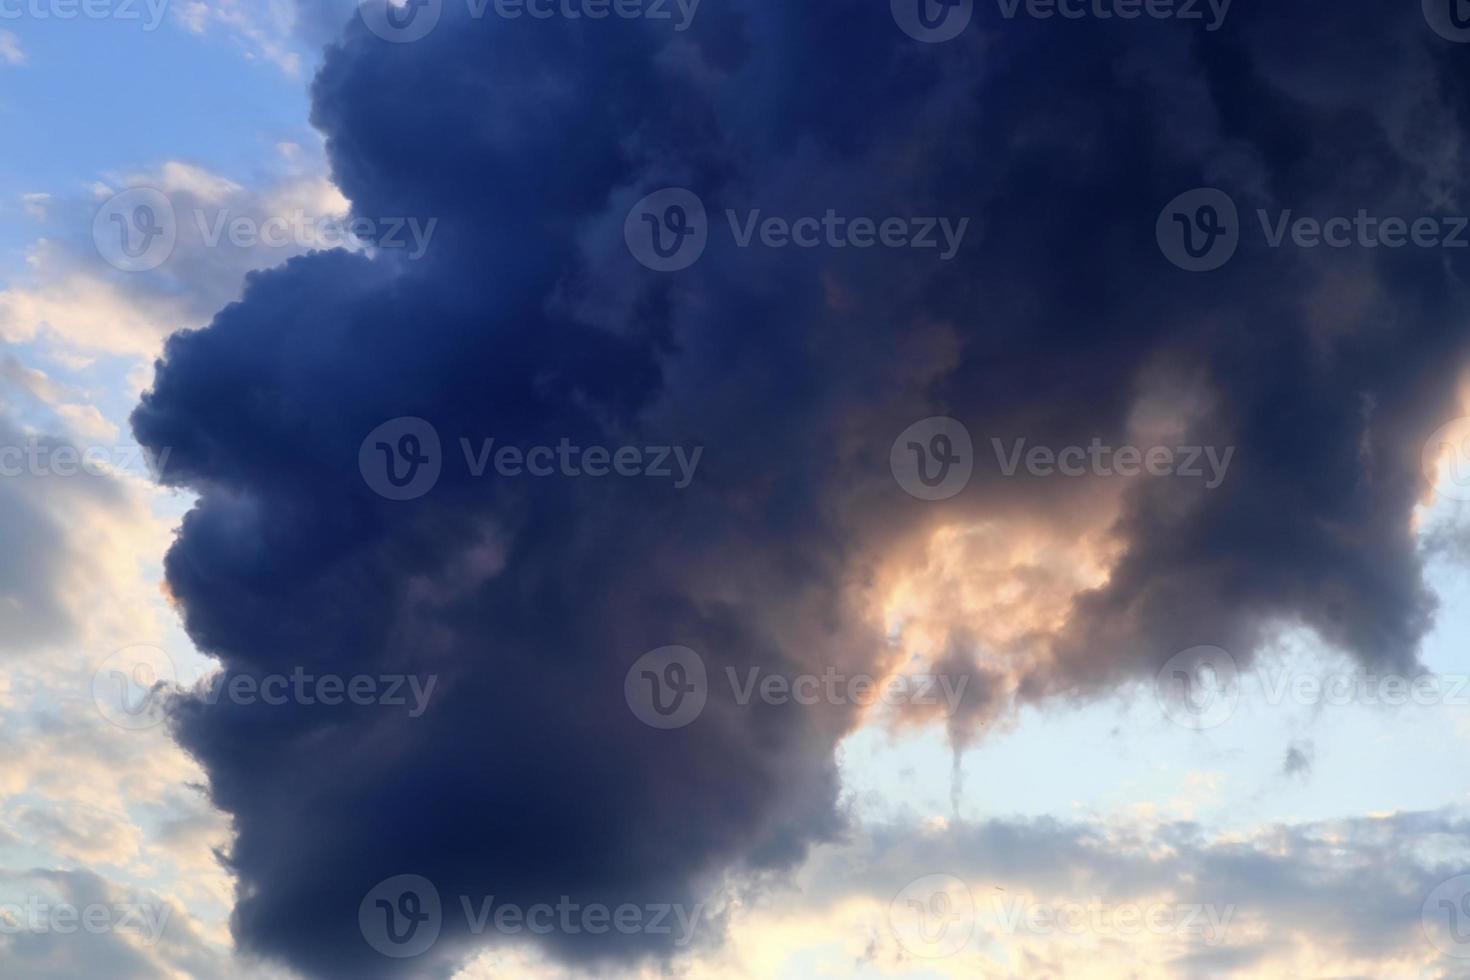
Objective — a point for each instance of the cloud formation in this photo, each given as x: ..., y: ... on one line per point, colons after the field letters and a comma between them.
x: 1057, y: 320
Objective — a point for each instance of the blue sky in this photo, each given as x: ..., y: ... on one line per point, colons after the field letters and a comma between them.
x: 67, y: 131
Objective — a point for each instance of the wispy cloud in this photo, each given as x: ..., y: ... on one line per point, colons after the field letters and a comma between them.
x: 11, y: 52
x: 36, y: 205
x: 267, y: 31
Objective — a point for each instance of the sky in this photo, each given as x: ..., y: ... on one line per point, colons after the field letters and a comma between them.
x: 731, y: 489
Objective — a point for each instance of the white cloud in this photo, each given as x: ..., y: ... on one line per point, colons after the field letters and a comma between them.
x: 71, y: 298
x: 265, y: 29
x: 1050, y: 898
x: 140, y: 935
x: 76, y: 791
x: 36, y: 205
x: 11, y: 52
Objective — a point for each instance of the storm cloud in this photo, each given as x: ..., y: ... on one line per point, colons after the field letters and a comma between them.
x: 1057, y: 320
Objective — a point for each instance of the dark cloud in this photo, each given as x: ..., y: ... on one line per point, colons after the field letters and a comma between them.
x: 1301, y: 756
x: 1058, y: 321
